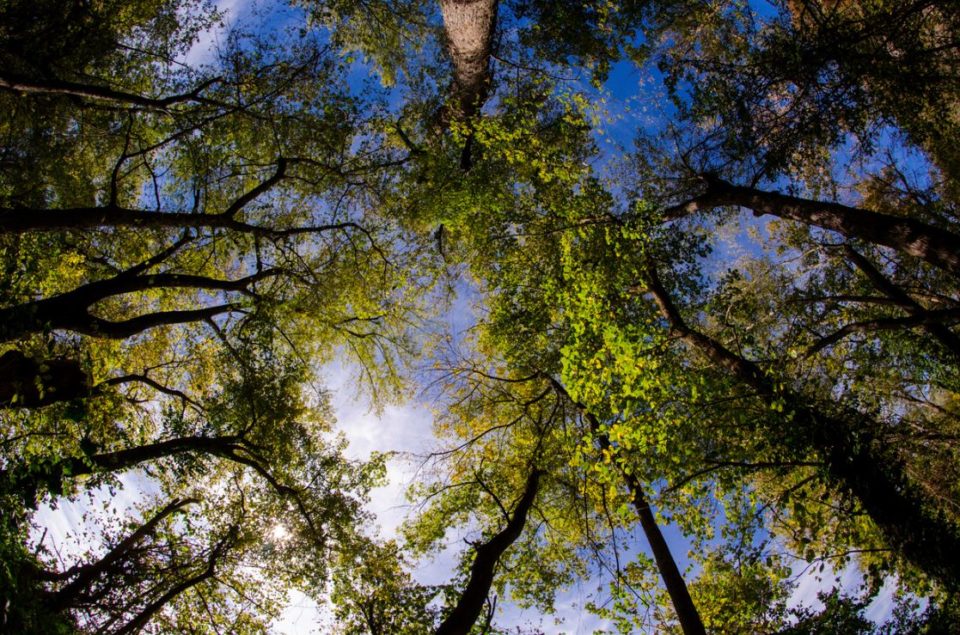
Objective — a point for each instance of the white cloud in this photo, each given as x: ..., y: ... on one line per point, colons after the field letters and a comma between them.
x: 811, y: 582
x: 62, y: 527
x: 403, y: 428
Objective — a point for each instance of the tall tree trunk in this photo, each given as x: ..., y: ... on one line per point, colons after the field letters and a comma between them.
x: 469, y: 27
x: 465, y: 614
x: 854, y: 457
x: 683, y: 604
x: 687, y: 613
x: 937, y: 246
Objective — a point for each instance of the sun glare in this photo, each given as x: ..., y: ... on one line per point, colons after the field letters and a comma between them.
x: 279, y: 533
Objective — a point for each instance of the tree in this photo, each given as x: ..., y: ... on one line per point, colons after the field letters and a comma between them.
x: 605, y: 278
x: 171, y: 272
x: 487, y: 554
x: 518, y: 267
x: 601, y: 282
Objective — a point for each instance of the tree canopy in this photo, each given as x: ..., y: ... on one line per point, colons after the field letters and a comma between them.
x: 713, y: 343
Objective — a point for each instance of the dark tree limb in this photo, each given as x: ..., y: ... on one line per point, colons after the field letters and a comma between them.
x: 83, y: 575
x: 104, y: 93
x: 255, y: 192
x: 27, y: 382
x: 470, y: 605
x: 70, y: 311
x: 216, y: 553
x: 935, y: 245
x: 98, y: 327
x: 21, y: 220
x: 230, y: 447
x: 158, y: 257
x: 124, y: 459
x: 153, y: 383
x: 18, y: 220
x: 27, y: 480
x: 490, y: 610
x: 883, y: 284
x: 927, y: 319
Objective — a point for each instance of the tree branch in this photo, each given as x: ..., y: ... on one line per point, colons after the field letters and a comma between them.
x: 939, y: 331
x: 470, y: 605
x: 137, y: 623
x: 21, y: 220
x: 98, y: 327
x: 933, y: 244
x: 102, y: 93
x: 83, y: 575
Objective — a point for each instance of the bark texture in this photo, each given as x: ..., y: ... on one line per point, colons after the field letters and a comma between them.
x: 469, y: 27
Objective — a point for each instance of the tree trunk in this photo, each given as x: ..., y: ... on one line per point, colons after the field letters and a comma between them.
x: 465, y: 614
x: 469, y: 27
x: 686, y: 610
x: 683, y: 604
x: 855, y: 459
x: 687, y: 613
